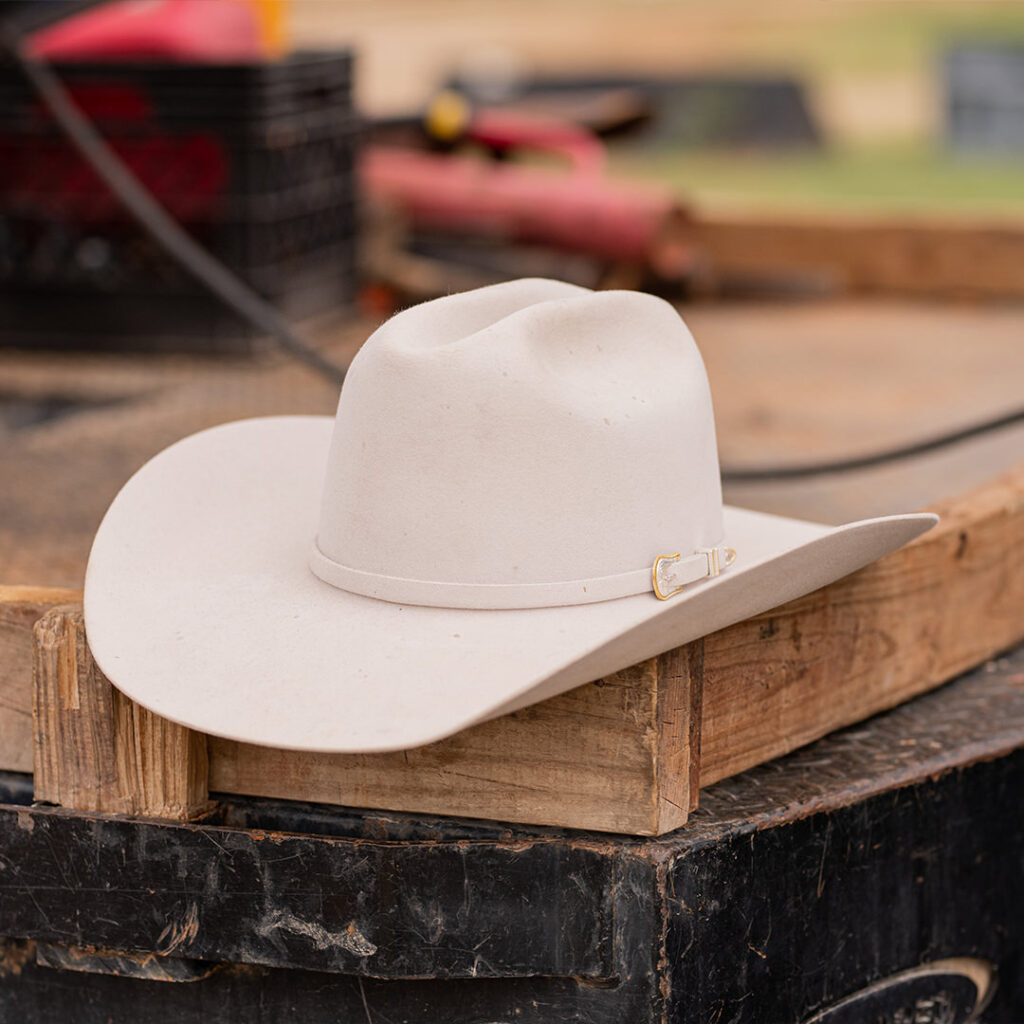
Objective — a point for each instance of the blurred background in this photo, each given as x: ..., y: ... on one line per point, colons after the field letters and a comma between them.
x: 892, y: 92
x: 832, y: 194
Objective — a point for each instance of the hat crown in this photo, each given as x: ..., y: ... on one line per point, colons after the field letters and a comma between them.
x: 527, y: 433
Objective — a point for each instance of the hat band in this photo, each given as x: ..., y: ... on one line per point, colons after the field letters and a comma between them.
x: 665, y: 579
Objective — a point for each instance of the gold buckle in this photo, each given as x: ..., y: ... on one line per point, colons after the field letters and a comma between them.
x: 715, y: 566
x: 654, y: 576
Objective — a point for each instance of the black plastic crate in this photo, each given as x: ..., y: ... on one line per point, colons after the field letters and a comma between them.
x: 257, y: 162
x: 45, y: 255
x: 179, y: 317
x: 258, y: 223
x: 297, y: 84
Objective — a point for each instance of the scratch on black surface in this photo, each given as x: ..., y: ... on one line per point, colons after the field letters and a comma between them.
x: 821, y: 866
x: 351, y: 940
x: 177, y: 933
x: 366, y: 1006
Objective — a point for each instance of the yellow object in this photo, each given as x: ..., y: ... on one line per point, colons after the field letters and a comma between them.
x: 272, y: 17
x: 448, y: 115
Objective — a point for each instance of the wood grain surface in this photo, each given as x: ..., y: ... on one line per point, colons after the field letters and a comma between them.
x: 623, y: 754
x: 773, y: 683
x: 20, y: 608
x: 599, y: 756
x: 899, y: 627
x: 881, y: 254
x: 97, y: 750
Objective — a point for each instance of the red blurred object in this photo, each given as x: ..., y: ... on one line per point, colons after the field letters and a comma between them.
x: 45, y: 176
x: 178, y: 30
x: 578, y: 210
x: 506, y: 129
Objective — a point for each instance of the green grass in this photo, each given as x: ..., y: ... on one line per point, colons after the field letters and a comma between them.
x: 889, y: 178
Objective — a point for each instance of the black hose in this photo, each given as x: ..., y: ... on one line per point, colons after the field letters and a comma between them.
x: 756, y: 474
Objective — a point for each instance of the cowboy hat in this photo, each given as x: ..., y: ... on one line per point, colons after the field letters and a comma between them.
x: 519, y: 494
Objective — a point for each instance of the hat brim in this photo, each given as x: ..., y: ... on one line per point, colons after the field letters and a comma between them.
x: 199, y: 604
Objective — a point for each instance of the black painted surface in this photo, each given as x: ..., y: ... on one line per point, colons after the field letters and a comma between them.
x: 799, y: 885
x: 379, y: 909
x: 943, y: 992
x: 793, y: 918
x: 254, y: 995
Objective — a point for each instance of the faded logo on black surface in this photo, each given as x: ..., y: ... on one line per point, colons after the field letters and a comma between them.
x: 950, y: 991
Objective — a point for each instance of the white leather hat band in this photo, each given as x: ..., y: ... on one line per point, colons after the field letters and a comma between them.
x: 666, y: 578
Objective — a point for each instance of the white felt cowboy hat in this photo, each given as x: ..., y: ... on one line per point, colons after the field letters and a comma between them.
x: 520, y: 493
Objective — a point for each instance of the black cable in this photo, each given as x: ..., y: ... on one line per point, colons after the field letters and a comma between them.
x: 762, y: 473
x: 138, y: 201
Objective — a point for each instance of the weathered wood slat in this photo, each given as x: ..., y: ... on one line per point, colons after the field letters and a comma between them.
x: 773, y: 683
x: 612, y: 755
x: 897, y: 628
x: 20, y: 607
x: 95, y: 749
x: 912, y: 256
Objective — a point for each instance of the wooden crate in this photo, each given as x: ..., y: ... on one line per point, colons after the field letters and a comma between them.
x: 624, y: 754
x: 874, y: 875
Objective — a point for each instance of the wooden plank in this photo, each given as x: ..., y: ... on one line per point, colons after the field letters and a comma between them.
x: 915, y: 256
x: 904, y: 829
x: 897, y: 628
x: 680, y: 695
x: 773, y: 683
x: 96, y: 750
x: 612, y: 755
x: 20, y: 607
